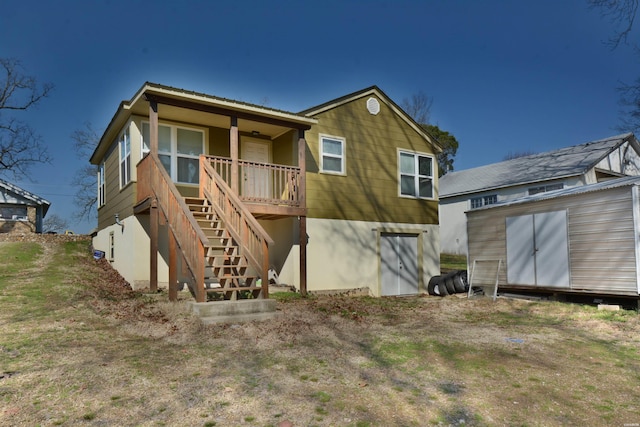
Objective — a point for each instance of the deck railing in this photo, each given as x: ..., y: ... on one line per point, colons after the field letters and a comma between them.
x: 153, y: 181
x: 241, y: 224
x: 261, y: 182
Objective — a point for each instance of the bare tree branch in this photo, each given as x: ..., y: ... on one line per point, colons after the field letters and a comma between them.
x: 20, y: 147
x: 418, y: 107
x: 85, y: 141
x: 622, y: 13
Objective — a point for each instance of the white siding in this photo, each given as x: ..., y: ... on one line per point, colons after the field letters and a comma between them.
x: 602, y: 238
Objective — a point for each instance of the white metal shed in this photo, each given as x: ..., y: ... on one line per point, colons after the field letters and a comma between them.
x: 582, y: 240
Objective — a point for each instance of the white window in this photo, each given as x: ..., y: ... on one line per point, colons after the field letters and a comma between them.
x: 416, y: 175
x: 179, y: 150
x: 478, y: 202
x: 125, y: 157
x: 101, y: 185
x: 332, y: 154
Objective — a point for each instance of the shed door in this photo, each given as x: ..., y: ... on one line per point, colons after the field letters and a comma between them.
x: 399, y: 263
x: 538, y: 250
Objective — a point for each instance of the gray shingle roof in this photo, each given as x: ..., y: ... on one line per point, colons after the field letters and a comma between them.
x: 569, y: 191
x: 7, y: 186
x: 562, y: 163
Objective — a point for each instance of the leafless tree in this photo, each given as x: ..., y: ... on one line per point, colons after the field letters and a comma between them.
x: 54, y: 224
x: 418, y: 106
x: 85, y: 140
x: 622, y: 14
x: 517, y: 154
x: 20, y: 146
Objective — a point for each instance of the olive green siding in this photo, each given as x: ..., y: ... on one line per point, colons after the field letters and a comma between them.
x: 369, y: 190
x: 117, y: 201
x: 218, y: 144
x: 285, y: 149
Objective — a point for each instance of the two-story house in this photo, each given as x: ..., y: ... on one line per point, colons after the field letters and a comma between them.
x: 214, y: 193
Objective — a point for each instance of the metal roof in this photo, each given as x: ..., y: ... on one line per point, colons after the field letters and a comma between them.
x: 26, y: 194
x: 571, y: 191
x: 562, y: 163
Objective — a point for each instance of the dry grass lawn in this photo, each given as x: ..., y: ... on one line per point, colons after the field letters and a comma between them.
x: 77, y: 348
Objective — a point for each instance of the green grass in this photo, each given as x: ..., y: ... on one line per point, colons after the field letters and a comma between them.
x: 453, y: 262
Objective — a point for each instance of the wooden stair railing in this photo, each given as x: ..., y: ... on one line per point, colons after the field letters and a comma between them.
x: 227, y: 272
x: 242, y: 226
x: 189, y: 237
x: 218, y: 237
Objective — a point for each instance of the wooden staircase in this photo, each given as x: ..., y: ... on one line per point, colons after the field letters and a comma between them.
x: 227, y: 273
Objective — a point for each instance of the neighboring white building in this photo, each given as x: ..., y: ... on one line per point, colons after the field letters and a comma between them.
x: 583, y: 164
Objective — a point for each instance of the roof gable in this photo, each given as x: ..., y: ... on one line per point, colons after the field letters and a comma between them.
x: 21, y: 194
x: 565, y: 162
x: 374, y: 90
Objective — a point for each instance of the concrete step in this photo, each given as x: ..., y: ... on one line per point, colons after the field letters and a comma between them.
x: 232, y: 308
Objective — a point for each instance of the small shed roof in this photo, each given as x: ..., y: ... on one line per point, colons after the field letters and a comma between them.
x: 558, y: 164
x: 570, y: 191
x: 7, y: 187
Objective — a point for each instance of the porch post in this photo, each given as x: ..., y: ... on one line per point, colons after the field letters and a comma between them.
x: 173, y: 268
x: 153, y: 231
x: 153, y: 127
x: 302, y: 164
x: 302, y: 198
x: 303, y: 256
x: 234, y: 150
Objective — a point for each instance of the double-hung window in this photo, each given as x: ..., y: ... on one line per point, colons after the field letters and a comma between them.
x: 124, y: 143
x: 332, y: 158
x: 101, y: 185
x: 179, y: 150
x: 416, y: 175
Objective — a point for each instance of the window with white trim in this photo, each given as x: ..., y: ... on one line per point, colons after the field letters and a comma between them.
x: 124, y: 143
x: 478, y: 202
x: 332, y: 158
x: 416, y: 175
x: 179, y: 150
x: 101, y: 185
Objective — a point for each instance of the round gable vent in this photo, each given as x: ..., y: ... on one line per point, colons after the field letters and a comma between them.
x: 373, y: 106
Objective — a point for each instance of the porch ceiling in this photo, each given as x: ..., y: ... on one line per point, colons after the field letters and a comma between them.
x: 202, y: 118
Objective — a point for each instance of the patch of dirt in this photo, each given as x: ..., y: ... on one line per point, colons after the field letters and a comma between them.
x: 325, y: 361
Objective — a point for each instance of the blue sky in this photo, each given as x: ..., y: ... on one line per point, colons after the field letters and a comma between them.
x: 505, y: 76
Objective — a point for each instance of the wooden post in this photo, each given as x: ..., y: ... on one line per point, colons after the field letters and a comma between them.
x: 153, y: 230
x: 265, y: 270
x: 303, y: 256
x: 201, y: 295
x: 234, y: 151
x: 173, y: 268
x: 153, y: 127
x: 302, y: 164
x: 302, y: 199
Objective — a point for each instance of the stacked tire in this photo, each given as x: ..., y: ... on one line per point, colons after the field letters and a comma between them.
x: 451, y: 283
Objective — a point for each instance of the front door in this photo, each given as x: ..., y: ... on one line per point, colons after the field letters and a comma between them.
x: 256, y: 178
x: 399, y: 264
